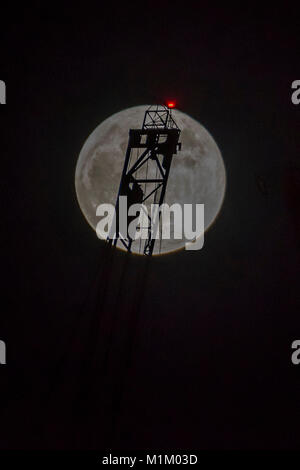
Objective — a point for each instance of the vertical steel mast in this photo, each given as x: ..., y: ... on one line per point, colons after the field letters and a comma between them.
x: 145, y: 175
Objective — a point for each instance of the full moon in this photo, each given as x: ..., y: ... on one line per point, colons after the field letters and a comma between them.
x: 197, y: 174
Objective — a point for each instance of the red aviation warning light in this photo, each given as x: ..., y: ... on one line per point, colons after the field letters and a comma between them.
x: 171, y: 104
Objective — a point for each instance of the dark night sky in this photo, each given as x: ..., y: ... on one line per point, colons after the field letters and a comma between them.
x: 211, y: 366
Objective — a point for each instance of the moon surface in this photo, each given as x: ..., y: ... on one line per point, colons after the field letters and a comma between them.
x: 197, y: 174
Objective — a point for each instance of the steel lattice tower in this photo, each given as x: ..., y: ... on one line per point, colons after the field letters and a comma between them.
x: 144, y: 178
